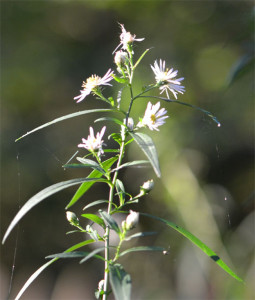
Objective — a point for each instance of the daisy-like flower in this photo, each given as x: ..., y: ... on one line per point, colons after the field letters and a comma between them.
x: 93, y: 143
x: 126, y: 38
x: 92, y: 83
x: 166, y: 79
x: 153, y: 117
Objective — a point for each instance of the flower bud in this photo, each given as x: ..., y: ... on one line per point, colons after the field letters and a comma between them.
x: 101, y: 285
x: 131, y: 220
x: 72, y: 218
x: 147, y: 187
x: 120, y: 58
x: 130, y: 123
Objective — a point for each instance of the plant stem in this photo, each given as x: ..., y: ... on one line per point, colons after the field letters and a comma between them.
x: 107, y: 232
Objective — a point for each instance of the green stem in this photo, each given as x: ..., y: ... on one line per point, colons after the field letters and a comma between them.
x: 107, y: 232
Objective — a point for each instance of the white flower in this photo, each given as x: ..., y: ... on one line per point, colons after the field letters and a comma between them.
x: 93, y: 143
x: 166, y: 78
x: 153, y: 117
x: 120, y: 57
x: 126, y: 38
x: 130, y: 123
x: 132, y: 219
x: 147, y: 186
x: 72, y: 218
x: 92, y: 83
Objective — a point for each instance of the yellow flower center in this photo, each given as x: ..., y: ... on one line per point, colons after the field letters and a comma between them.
x: 91, y: 82
x: 153, y: 119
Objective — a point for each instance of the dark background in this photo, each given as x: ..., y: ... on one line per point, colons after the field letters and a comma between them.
x: 207, y: 184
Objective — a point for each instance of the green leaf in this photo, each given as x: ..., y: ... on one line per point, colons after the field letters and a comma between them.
x: 116, y: 137
x: 121, y: 191
x: 93, y: 254
x: 95, y: 203
x: 43, y: 267
x: 120, y: 80
x: 140, y: 58
x: 75, y: 254
x: 45, y: 193
x: 131, y: 164
x: 87, y: 185
x: 142, y: 248
x: 198, y: 243
x: 109, y: 221
x: 139, y: 234
x: 95, y: 219
x: 90, y: 163
x: 117, y: 121
x: 146, y: 144
x: 120, y: 282
x: 73, y: 115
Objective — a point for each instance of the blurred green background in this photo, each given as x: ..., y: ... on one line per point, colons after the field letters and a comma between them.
x: 207, y: 185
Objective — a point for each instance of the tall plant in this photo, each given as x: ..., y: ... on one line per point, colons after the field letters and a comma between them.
x: 106, y: 164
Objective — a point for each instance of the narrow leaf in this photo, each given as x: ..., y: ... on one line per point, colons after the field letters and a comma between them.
x: 93, y: 254
x: 120, y: 191
x: 95, y: 203
x: 43, y: 267
x: 45, y: 193
x: 140, y: 58
x: 117, y: 121
x: 95, y: 219
x: 87, y: 185
x: 131, y: 164
x: 109, y: 221
x: 90, y: 163
x: 76, y: 254
x: 146, y: 144
x: 198, y: 243
x: 120, y: 282
x: 73, y: 115
x: 140, y: 234
x: 142, y: 248
x: 118, y: 79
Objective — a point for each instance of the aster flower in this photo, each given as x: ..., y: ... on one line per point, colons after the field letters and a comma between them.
x: 126, y: 38
x: 166, y: 79
x: 93, y: 143
x: 92, y: 83
x: 153, y: 117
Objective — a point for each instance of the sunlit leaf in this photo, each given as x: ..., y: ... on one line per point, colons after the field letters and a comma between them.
x: 73, y: 115
x: 114, y: 120
x: 118, y: 79
x: 87, y: 185
x: 45, y: 193
x: 140, y: 234
x: 93, y: 254
x: 43, y: 267
x: 131, y: 164
x: 120, y: 282
x: 142, y: 248
x: 90, y: 163
x: 94, y: 218
x: 198, y: 243
x: 140, y: 58
x: 109, y: 221
x: 95, y: 203
x: 77, y: 254
x: 146, y: 144
x: 121, y: 191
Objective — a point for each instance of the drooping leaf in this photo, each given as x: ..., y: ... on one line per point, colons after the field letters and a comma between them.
x: 120, y: 282
x: 87, y: 185
x: 209, y: 114
x: 120, y: 80
x: 43, y: 267
x: 93, y: 254
x: 142, y: 248
x: 114, y: 120
x: 73, y: 115
x: 198, y: 243
x: 109, y: 221
x: 116, y: 137
x: 131, y: 164
x: 95, y: 203
x: 45, y: 193
x: 94, y: 218
x: 146, y: 144
x: 140, y: 234
x: 90, y: 163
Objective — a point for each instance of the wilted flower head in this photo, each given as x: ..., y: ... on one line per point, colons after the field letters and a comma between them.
x: 92, y: 83
x: 153, y: 117
x: 131, y: 220
x: 126, y: 38
x: 93, y: 143
x: 166, y: 78
x: 120, y: 57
